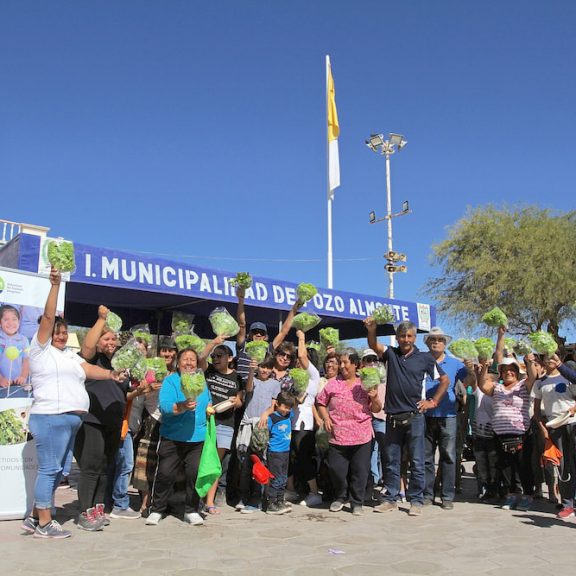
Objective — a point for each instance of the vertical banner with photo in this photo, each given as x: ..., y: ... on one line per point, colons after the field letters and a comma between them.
x: 22, y: 299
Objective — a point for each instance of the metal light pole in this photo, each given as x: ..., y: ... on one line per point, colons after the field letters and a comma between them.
x: 378, y: 144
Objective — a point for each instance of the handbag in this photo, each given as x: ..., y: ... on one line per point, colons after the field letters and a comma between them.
x: 209, y: 468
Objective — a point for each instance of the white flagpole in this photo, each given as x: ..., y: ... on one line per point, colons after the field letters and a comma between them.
x: 330, y: 195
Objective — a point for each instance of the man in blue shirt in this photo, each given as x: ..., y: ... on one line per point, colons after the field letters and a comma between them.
x: 441, y: 422
x: 405, y: 405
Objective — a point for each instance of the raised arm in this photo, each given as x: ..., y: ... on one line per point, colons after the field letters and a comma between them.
x: 88, y: 349
x: 49, y: 315
x: 302, y: 352
x: 240, y: 318
x: 499, y: 354
x: 203, y: 356
x: 373, y: 343
x: 486, y: 386
x: 287, y: 324
x: 250, y: 380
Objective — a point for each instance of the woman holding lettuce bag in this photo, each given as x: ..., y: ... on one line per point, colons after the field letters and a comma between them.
x: 225, y: 385
x: 60, y: 401
x: 182, y: 435
x: 303, y: 446
x: 511, y: 424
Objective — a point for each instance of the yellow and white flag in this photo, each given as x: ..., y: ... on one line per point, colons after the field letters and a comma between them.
x: 333, y: 132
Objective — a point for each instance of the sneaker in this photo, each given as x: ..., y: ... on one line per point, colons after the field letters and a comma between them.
x: 428, y: 501
x: 153, y: 519
x: 276, y: 508
x: 336, y: 506
x: 291, y: 496
x: 524, y: 504
x: 312, y: 500
x: 509, y: 503
x: 101, y: 514
x: 193, y: 518
x: 240, y: 506
x: 357, y: 510
x: 447, y: 505
x: 30, y: 524
x: 249, y: 509
x: 566, y: 512
x: 51, y: 530
x: 386, y: 507
x: 89, y: 521
x: 286, y: 507
x: 401, y: 497
x: 415, y: 510
x: 127, y: 514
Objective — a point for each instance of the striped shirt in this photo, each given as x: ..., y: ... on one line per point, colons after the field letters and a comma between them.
x: 511, y: 409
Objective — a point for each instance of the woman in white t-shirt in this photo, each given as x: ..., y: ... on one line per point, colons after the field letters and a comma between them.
x: 60, y: 400
x: 303, y: 446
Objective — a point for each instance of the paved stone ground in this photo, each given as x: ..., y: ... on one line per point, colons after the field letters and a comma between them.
x: 472, y: 539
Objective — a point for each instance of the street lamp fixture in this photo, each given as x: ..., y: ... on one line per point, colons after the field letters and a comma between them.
x: 386, y: 147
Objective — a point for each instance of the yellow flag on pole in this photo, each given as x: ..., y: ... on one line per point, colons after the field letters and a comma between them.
x: 333, y: 132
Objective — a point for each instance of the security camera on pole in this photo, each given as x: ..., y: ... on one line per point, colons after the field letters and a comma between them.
x: 395, y: 142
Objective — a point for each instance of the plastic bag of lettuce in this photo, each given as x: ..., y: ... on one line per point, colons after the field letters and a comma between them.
x: 223, y: 323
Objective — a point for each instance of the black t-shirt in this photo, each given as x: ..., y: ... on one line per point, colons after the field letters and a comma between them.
x: 222, y: 387
x: 107, y: 397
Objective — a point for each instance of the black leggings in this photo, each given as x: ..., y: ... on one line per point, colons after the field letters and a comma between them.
x: 303, y: 455
x: 95, y: 450
x: 349, y: 469
x: 516, y: 469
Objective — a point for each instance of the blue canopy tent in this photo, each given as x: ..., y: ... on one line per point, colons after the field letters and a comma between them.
x: 144, y: 289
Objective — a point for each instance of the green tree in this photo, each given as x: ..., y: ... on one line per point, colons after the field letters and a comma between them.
x: 521, y: 259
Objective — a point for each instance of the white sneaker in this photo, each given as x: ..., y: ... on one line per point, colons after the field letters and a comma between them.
x: 312, y: 500
x: 153, y: 519
x: 194, y: 519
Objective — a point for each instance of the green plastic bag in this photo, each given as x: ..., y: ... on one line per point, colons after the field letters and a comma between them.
x: 209, y: 469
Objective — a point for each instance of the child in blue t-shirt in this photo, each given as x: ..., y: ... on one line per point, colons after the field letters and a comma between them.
x: 13, y: 370
x: 280, y: 429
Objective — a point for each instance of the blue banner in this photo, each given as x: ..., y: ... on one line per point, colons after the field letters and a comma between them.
x: 125, y: 270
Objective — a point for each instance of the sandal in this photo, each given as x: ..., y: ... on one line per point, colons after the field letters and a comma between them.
x: 212, y: 510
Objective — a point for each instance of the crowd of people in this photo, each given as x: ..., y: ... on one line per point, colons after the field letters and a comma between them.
x: 356, y: 448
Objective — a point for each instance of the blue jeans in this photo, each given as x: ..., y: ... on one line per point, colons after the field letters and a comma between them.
x: 124, y: 464
x: 54, y: 435
x: 377, y: 459
x: 411, y: 436
x: 441, y: 434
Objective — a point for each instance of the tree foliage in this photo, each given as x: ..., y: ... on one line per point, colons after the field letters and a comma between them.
x: 521, y: 259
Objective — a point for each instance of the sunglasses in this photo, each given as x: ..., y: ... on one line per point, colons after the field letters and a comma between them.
x: 218, y: 356
x: 284, y: 355
x: 258, y: 332
x: 371, y: 359
x: 433, y: 339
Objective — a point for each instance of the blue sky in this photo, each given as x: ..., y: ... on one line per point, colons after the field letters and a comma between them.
x: 196, y: 130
